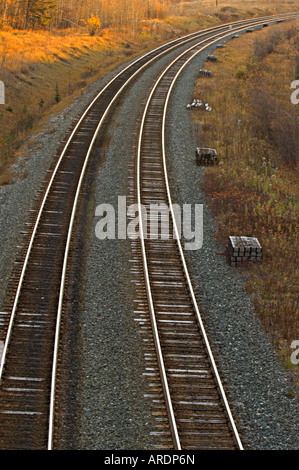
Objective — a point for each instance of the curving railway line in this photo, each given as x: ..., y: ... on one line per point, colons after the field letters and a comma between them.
x: 198, y: 412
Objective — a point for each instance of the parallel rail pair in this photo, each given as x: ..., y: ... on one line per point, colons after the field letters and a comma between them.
x: 31, y: 325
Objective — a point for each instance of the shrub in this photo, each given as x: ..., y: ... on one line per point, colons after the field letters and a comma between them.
x: 241, y: 72
x: 93, y: 24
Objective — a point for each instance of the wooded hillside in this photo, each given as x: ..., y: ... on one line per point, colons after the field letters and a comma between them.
x: 34, y: 14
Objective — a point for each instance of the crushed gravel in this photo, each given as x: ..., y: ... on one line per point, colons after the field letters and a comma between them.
x: 111, y: 412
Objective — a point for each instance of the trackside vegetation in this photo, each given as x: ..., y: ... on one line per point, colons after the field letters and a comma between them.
x: 254, y: 191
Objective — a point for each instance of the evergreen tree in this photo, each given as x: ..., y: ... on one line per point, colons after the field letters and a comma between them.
x: 39, y: 13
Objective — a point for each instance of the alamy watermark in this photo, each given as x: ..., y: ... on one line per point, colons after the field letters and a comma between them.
x: 124, y: 222
x: 2, y: 93
x: 295, y: 94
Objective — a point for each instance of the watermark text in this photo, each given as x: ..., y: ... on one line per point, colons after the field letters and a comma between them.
x: 125, y: 222
x: 295, y: 354
x: 2, y: 93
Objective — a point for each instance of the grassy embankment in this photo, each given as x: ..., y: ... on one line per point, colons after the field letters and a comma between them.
x: 43, y: 71
x: 254, y: 191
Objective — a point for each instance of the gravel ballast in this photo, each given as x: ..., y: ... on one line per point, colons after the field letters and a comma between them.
x: 111, y: 412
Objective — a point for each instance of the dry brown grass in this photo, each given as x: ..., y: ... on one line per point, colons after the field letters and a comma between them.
x: 33, y: 64
x: 20, y: 50
x: 37, y: 66
x: 255, y: 189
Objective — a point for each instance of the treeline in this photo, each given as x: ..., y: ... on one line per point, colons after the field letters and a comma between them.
x: 36, y: 14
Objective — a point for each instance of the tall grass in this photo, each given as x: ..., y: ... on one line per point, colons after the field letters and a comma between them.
x: 42, y: 71
x: 34, y: 63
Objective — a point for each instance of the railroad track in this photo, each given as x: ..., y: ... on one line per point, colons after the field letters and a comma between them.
x: 30, y: 323
x: 198, y: 412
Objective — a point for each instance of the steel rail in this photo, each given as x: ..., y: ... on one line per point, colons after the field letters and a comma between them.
x: 62, y: 286
x: 186, y: 271
x: 175, y: 43
x: 168, y: 399
x: 63, y: 277
x: 71, y: 223
x: 145, y: 264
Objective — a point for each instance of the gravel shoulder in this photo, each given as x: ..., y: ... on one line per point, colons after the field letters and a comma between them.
x: 111, y: 412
